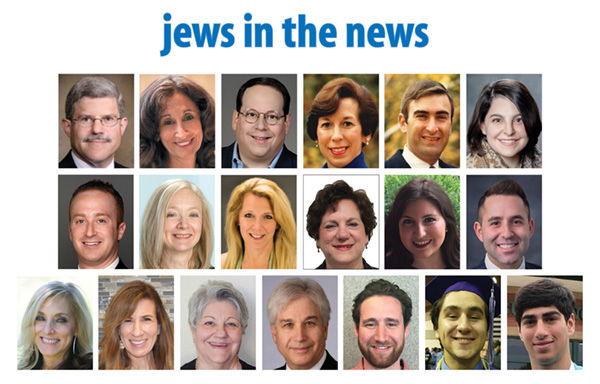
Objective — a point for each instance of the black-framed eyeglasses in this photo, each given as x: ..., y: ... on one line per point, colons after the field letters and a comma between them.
x: 251, y: 116
x: 87, y: 121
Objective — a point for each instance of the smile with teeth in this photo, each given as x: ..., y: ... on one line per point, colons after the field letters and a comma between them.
x: 138, y: 342
x: 381, y: 347
x: 507, y: 245
x: 508, y: 142
x: 218, y: 345
x: 343, y: 247
x: 429, y: 138
x: 91, y: 243
x: 261, y: 139
x: 182, y: 236
x: 49, y: 341
x: 422, y: 244
x: 338, y: 151
x: 257, y: 237
x: 184, y: 143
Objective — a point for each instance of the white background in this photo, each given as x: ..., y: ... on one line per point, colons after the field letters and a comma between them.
x: 39, y: 40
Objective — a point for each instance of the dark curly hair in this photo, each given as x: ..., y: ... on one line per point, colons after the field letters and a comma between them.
x: 328, y: 99
x: 381, y: 287
x: 396, y: 254
x: 328, y: 197
x: 153, y: 153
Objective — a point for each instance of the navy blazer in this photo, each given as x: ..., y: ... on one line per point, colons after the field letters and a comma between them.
x: 527, y: 265
x: 68, y: 162
x: 398, y: 161
x: 330, y: 364
x: 287, y: 159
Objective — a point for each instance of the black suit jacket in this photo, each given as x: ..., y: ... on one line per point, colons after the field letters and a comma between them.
x: 330, y: 364
x: 67, y: 162
x: 122, y: 265
x: 527, y: 265
x: 287, y: 159
x: 398, y: 161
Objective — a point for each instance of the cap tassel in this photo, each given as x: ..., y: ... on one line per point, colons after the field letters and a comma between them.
x: 490, y: 349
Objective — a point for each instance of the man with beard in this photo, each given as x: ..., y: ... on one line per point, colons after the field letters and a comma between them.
x: 381, y: 313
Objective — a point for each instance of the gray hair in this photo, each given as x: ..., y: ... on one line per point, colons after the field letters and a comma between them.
x: 93, y: 86
x: 294, y: 288
x: 216, y: 290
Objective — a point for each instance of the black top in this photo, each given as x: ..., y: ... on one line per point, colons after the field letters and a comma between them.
x: 73, y: 362
x: 330, y: 364
x: 192, y: 365
x: 365, y: 265
x: 398, y: 161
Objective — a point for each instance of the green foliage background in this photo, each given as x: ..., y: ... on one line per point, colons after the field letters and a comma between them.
x: 312, y: 86
x: 395, y: 85
x: 450, y: 184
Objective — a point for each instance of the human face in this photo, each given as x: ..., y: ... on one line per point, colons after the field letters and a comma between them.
x: 422, y: 229
x: 300, y: 334
x: 183, y: 222
x: 427, y: 126
x: 218, y: 335
x: 180, y: 128
x: 340, y: 135
x: 94, y: 229
x: 140, y: 331
x: 257, y: 222
x: 54, y: 329
x: 342, y: 236
x: 546, y: 334
x: 504, y: 228
x: 381, y: 332
x: 505, y: 130
x: 97, y: 144
x: 462, y: 329
x: 259, y: 143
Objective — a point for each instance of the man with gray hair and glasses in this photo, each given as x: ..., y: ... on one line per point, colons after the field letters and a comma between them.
x: 94, y: 122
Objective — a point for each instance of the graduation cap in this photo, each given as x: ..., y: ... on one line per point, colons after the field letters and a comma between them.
x: 482, y: 286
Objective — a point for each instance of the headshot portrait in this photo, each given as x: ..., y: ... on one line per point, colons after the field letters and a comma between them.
x: 135, y: 318
x: 341, y: 119
x: 177, y: 228
x: 505, y: 125
x: 261, y: 111
x: 340, y: 218
x: 381, y: 322
x: 422, y: 222
x: 463, y: 314
x: 55, y: 323
x: 95, y: 111
x: 545, y: 324
x: 422, y: 121
x: 177, y: 121
x: 300, y: 322
x: 218, y: 322
x: 258, y: 217
x: 95, y: 222
x: 504, y: 218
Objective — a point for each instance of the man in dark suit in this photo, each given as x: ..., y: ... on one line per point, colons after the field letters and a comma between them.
x: 261, y: 121
x: 504, y: 226
x: 96, y: 225
x: 299, y: 312
x: 426, y: 115
x: 94, y: 122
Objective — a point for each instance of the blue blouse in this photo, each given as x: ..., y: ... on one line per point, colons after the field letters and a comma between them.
x: 358, y: 162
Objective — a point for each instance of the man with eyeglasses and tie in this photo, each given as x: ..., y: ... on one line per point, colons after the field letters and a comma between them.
x: 261, y: 120
x: 94, y: 122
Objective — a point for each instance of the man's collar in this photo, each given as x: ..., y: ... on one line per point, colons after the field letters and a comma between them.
x: 414, y: 161
x: 317, y: 366
x: 112, y: 265
x: 79, y: 163
x: 236, y: 161
x: 490, y: 265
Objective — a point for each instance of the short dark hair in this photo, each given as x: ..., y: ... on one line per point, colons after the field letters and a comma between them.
x: 381, y: 287
x: 328, y: 99
x: 153, y: 153
x: 506, y: 187
x: 422, y: 88
x: 437, y: 307
x: 269, y: 82
x: 396, y: 254
x: 93, y: 86
x: 328, y: 198
x: 544, y: 293
x: 520, y: 96
x: 103, y: 186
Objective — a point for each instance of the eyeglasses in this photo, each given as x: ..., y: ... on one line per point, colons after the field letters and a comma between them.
x: 88, y: 121
x: 251, y: 116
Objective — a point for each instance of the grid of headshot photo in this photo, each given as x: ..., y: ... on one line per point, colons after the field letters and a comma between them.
x: 300, y: 221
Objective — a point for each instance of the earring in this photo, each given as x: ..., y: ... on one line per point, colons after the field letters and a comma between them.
x: 318, y: 250
x: 316, y: 144
x: 367, y: 246
x: 121, y: 344
x: 74, y: 343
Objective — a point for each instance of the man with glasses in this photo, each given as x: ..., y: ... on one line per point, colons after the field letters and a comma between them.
x: 261, y: 120
x: 94, y: 122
